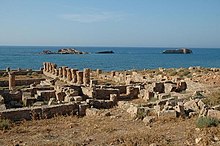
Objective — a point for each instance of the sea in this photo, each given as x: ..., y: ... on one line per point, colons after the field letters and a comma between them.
x: 124, y: 58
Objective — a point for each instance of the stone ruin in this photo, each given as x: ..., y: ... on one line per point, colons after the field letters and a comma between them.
x: 71, y: 91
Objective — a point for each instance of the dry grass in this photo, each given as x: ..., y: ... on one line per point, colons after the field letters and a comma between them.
x: 212, y: 99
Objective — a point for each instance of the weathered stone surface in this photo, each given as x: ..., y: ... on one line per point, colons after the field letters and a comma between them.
x: 69, y: 74
x: 192, y: 105
x: 105, y: 104
x: 11, y: 80
x: 170, y: 87
x: 79, y: 77
x: 137, y: 112
x: 104, y: 93
x: 179, y: 108
x: 2, y: 107
x: 214, y: 114
x: 181, y: 86
x: 1, y: 99
x: 52, y: 101
x: 198, y: 95
x: 149, y: 119
x: 82, y: 109
x: 64, y: 72
x: 78, y: 98
x: 93, y: 83
x: 46, y: 94
x: 28, y: 100
x: 159, y: 87
x: 132, y: 92
x: 60, y: 96
x: 60, y: 72
x: 114, y: 98
x: 86, y: 76
x: 163, y: 96
x: 74, y: 76
x: 216, y: 107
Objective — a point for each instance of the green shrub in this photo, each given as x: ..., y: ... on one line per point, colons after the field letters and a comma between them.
x: 5, y: 124
x: 204, y: 122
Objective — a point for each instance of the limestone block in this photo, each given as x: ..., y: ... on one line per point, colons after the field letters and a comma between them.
x: 82, y: 109
x: 114, y: 98
x: 181, y: 86
x: 2, y: 107
x: 132, y: 92
x: 149, y: 119
x: 60, y: 96
x: 138, y: 112
x: 163, y: 96
x: 46, y: 94
x: 159, y: 87
x: 52, y: 101
x: 93, y: 83
x: 1, y: 99
x: 170, y: 87
x: 98, y: 72
x: 216, y: 107
x: 214, y: 114
x: 192, y: 105
x: 78, y: 98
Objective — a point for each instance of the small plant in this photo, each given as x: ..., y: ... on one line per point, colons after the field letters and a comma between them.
x: 5, y: 124
x: 204, y: 122
x: 212, y: 99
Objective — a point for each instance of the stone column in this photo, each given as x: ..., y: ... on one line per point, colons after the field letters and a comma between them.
x: 11, y: 80
x: 60, y: 72
x: 64, y: 72
x: 98, y: 72
x: 55, y: 67
x: 86, y: 76
x: 69, y: 74
x: 56, y: 72
x: 74, y: 76
x: 44, y: 66
x: 79, y: 77
x: 112, y: 73
x: 50, y: 67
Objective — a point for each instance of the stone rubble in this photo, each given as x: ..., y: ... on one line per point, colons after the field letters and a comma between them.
x: 67, y: 90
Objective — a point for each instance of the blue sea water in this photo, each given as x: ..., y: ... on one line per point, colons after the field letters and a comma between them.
x: 124, y: 58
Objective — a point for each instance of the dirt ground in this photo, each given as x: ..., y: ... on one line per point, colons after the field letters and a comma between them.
x: 115, y: 129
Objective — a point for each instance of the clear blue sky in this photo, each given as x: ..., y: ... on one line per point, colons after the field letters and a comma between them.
x: 150, y: 23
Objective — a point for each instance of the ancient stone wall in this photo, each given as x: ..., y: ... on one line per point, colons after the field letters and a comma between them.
x: 21, y: 82
x: 39, y: 112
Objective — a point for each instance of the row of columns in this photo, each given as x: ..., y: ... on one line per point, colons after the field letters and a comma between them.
x: 68, y: 74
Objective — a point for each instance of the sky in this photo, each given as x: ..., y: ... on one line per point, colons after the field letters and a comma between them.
x: 140, y: 23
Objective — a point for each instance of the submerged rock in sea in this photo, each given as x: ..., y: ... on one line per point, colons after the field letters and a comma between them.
x: 178, y: 51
